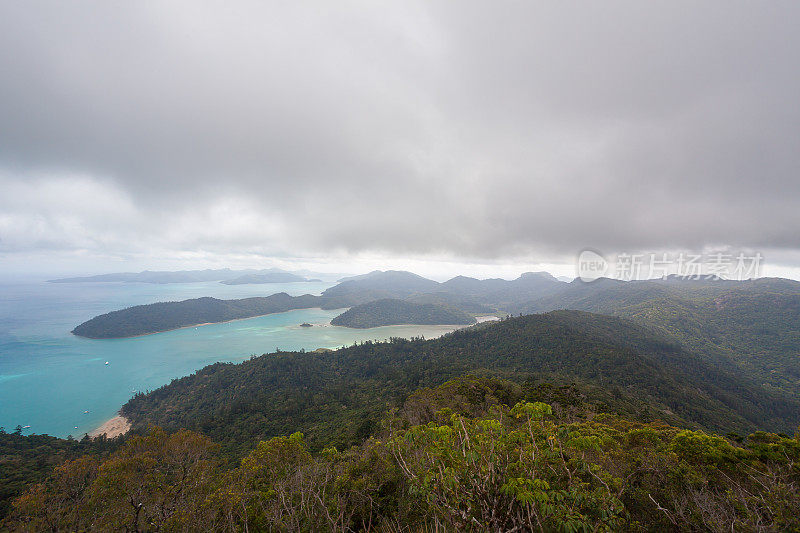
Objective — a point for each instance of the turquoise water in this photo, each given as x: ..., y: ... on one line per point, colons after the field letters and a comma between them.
x: 49, y: 377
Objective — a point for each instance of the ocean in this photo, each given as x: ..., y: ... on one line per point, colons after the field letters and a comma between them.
x: 60, y: 384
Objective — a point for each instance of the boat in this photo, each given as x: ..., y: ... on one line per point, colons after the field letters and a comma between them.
x: 25, y: 427
x: 106, y: 362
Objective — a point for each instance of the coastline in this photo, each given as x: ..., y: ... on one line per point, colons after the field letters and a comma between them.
x: 458, y: 326
x: 195, y: 325
x: 113, y: 427
x: 454, y: 326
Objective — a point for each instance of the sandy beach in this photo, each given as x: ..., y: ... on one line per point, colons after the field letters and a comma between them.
x: 115, y: 427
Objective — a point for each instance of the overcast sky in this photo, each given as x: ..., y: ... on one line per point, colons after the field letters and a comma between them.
x: 357, y: 134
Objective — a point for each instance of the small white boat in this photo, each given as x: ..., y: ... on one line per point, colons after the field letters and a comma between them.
x: 25, y: 427
x: 86, y: 411
x: 106, y: 362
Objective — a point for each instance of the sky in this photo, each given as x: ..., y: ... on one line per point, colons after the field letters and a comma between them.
x: 487, y: 138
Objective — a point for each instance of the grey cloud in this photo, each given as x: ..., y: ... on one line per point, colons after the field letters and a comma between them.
x: 464, y: 129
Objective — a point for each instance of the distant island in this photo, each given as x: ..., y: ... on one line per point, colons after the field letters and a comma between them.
x: 388, y: 312
x: 269, y: 277
x: 223, y: 275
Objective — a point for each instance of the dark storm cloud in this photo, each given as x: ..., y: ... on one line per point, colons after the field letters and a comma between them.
x: 461, y: 128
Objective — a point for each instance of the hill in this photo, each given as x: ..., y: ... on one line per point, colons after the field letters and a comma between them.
x: 378, y: 285
x: 473, y: 454
x: 336, y: 397
x: 491, y: 294
x: 467, y: 304
x: 504, y: 294
x: 754, y: 325
x: 388, y: 312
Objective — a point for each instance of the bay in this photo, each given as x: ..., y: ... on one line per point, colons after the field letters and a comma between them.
x: 60, y: 384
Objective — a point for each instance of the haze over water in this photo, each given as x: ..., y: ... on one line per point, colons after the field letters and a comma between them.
x: 49, y: 377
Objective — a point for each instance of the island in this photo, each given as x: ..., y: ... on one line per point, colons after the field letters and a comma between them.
x: 392, y: 312
x: 269, y: 277
x: 223, y: 275
x: 165, y: 316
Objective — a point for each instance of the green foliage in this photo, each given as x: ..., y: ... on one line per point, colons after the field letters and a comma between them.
x: 531, y: 466
x: 388, y: 312
x: 28, y: 459
x: 155, y: 482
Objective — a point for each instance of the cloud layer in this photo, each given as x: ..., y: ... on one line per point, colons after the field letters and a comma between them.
x: 456, y: 129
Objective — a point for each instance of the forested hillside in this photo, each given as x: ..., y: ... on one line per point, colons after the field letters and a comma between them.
x: 390, y: 311
x: 609, y: 413
x: 337, y: 397
x: 473, y: 455
x: 754, y: 325
x: 28, y: 459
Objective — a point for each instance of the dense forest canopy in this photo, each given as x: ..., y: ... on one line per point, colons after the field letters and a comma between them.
x: 473, y: 454
x: 391, y: 311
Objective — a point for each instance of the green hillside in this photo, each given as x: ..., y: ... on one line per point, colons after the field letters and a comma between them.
x: 470, y: 455
x: 337, y: 397
x: 754, y: 325
x: 389, y: 312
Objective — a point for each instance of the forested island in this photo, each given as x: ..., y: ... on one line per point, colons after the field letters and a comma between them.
x: 165, y: 316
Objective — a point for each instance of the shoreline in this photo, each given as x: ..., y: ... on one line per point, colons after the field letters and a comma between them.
x: 268, y: 314
x: 113, y: 427
x: 455, y: 326
x: 201, y: 324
